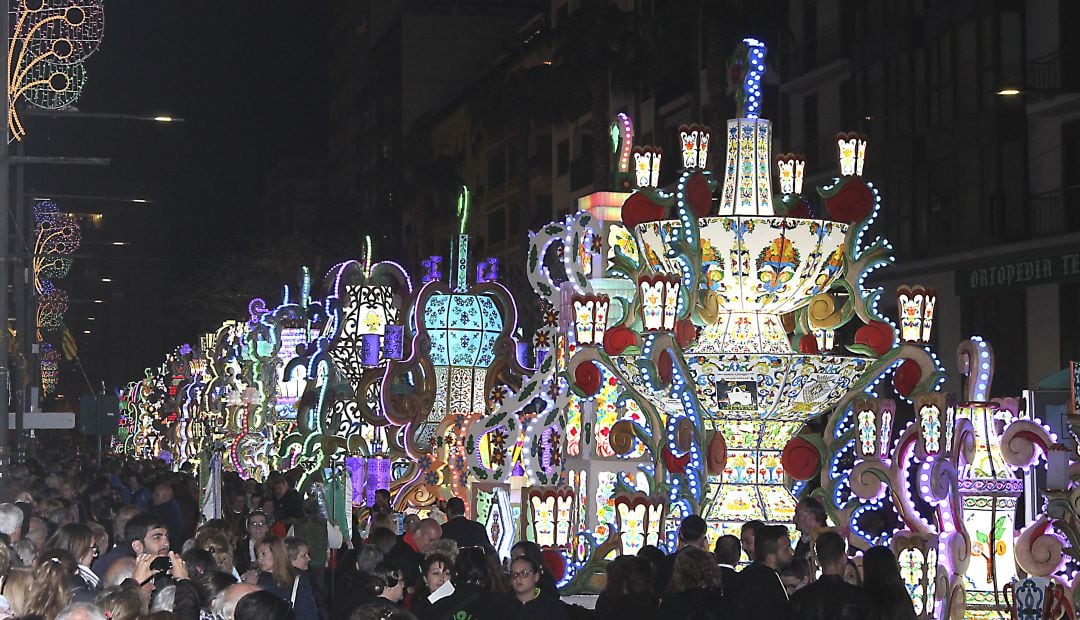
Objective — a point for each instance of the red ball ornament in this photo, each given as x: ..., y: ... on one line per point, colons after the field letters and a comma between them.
x: 587, y: 378
x: 617, y: 339
x: 808, y: 345
x: 906, y: 377
x: 877, y: 335
x: 665, y: 367
x: 640, y: 208
x: 675, y: 464
x: 716, y: 454
x: 698, y: 195
x: 801, y: 460
x: 685, y: 333
x: 852, y: 203
x: 555, y: 563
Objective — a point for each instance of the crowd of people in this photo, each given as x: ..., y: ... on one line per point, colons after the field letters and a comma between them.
x: 124, y: 540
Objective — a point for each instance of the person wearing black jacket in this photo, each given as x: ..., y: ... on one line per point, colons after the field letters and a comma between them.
x: 479, y: 593
x: 727, y: 554
x: 692, y: 533
x: 696, y: 589
x: 830, y: 597
x: 462, y: 530
x: 761, y: 592
x: 535, y: 605
x: 884, y: 586
x: 532, y: 550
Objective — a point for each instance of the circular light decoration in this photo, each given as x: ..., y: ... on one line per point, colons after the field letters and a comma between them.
x: 56, y: 236
x: 51, y: 307
x: 800, y: 459
x: 50, y: 41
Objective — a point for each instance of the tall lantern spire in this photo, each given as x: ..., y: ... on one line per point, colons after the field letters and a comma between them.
x: 747, y: 180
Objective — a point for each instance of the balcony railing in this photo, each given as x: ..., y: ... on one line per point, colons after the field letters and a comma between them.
x: 1046, y: 214
x: 1054, y: 74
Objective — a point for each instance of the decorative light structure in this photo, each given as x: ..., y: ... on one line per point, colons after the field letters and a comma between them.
x: 747, y: 187
x: 694, y: 140
x: 590, y: 318
x: 56, y: 236
x: 792, y: 171
x: 916, y: 307
x: 659, y: 296
x: 50, y: 41
x: 647, y: 165
x: 851, y: 151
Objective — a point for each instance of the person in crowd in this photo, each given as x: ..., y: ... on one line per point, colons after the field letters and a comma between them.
x: 386, y: 585
x: 747, y: 536
x: 11, y: 521
x: 830, y: 597
x: 263, y: 606
x: 216, y: 542
x: 288, y: 504
x: 299, y: 553
x: 121, y: 603
x: 437, y: 570
x: 78, y: 540
x: 445, y: 547
x: 796, y: 576
x: 477, y: 591
x: 148, y: 535
x: 80, y: 611
x: 889, y: 599
x: 244, y: 553
x: 236, y: 511
x: 275, y: 575
x: 409, y: 551
x: 727, y: 551
x: 17, y: 590
x: 382, y: 502
x: 411, y: 522
x: 531, y: 550
x: 321, y: 536
x: 462, y: 530
x: 629, y: 593
x: 810, y: 521
x: 350, y: 583
x: 135, y: 493
x: 166, y: 510
x: 654, y: 557
x: 274, y: 527
x: 852, y: 574
x: 524, y: 581
x: 692, y: 533
x: 696, y: 589
x: 50, y: 589
x: 761, y: 592
x: 224, y: 606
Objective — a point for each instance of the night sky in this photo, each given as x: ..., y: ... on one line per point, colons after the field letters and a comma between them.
x: 250, y: 79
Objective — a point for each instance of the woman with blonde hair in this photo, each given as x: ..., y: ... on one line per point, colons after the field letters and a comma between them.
x: 49, y: 590
x: 121, y: 603
x: 276, y: 575
x: 17, y: 591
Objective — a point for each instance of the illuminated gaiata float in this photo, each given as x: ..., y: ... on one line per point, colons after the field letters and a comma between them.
x: 690, y: 332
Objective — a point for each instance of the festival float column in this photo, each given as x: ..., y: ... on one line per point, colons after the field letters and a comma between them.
x: 462, y: 353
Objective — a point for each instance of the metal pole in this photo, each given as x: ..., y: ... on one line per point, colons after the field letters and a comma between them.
x: 5, y: 251
x: 22, y: 262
